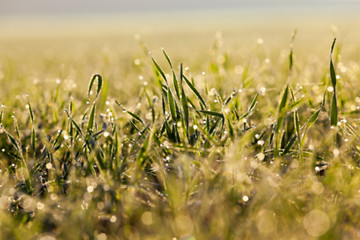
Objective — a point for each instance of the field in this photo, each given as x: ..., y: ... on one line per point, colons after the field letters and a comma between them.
x: 239, y: 132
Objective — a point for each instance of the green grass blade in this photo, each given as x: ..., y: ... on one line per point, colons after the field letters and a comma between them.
x: 334, y: 108
x: 289, y: 144
x: 185, y: 109
x: 210, y: 113
x: 297, y: 125
x: 31, y: 113
x: 313, y: 119
x: 334, y: 111
x: 158, y: 68
x: 77, y: 127
x: 176, y: 85
x: 33, y: 140
x: 172, y: 104
x: 252, y: 106
x: 309, y: 123
x: 198, y: 95
x: 99, y: 86
x: 135, y: 116
x: 284, y: 99
x: 167, y: 59
x: 13, y: 142
x: 91, y: 119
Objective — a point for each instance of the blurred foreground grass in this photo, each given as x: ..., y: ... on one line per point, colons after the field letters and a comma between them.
x: 230, y: 139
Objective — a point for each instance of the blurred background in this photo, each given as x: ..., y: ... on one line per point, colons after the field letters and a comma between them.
x: 59, y: 38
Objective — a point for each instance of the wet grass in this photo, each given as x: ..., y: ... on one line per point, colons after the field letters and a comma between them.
x: 246, y: 149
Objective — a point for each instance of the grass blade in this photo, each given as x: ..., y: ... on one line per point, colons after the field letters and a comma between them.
x: 252, y: 106
x: 334, y: 111
x: 135, y: 116
x: 99, y: 86
x: 210, y: 113
x: 168, y: 59
x: 284, y: 99
x: 198, y: 95
x: 158, y: 68
x: 172, y: 104
x: 91, y: 119
x: 334, y: 108
x: 77, y: 127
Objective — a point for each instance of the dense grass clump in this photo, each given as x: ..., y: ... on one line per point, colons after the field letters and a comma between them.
x: 252, y: 150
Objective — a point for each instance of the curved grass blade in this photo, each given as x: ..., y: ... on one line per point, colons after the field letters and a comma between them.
x: 99, y: 86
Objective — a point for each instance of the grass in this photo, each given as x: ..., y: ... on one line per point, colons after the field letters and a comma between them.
x: 246, y: 150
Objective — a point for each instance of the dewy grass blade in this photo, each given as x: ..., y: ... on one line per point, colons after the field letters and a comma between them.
x: 298, y: 134
x: 309, y: 123
x: 210, y: 113
x: 172, y: 104
x: 167, y: 59
x: 176, y: 86
x: 291, y: 55
x: 91, y: 119
x: 334, y: 108
x: 198, y: 95
x: 280, y: 119
x: 33, y: 140
x: 252, y: 106
x: 334, y: 111
x: 31, y: 112
x: 284, y: 99
x: 158, y: 68
x: 135, y: 116
x: 92, y: 80
x: 184, y: 103
x: 77, y: 127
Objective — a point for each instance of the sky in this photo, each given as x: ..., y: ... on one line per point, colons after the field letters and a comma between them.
x: 37, y: 17
x: 44, y: 7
